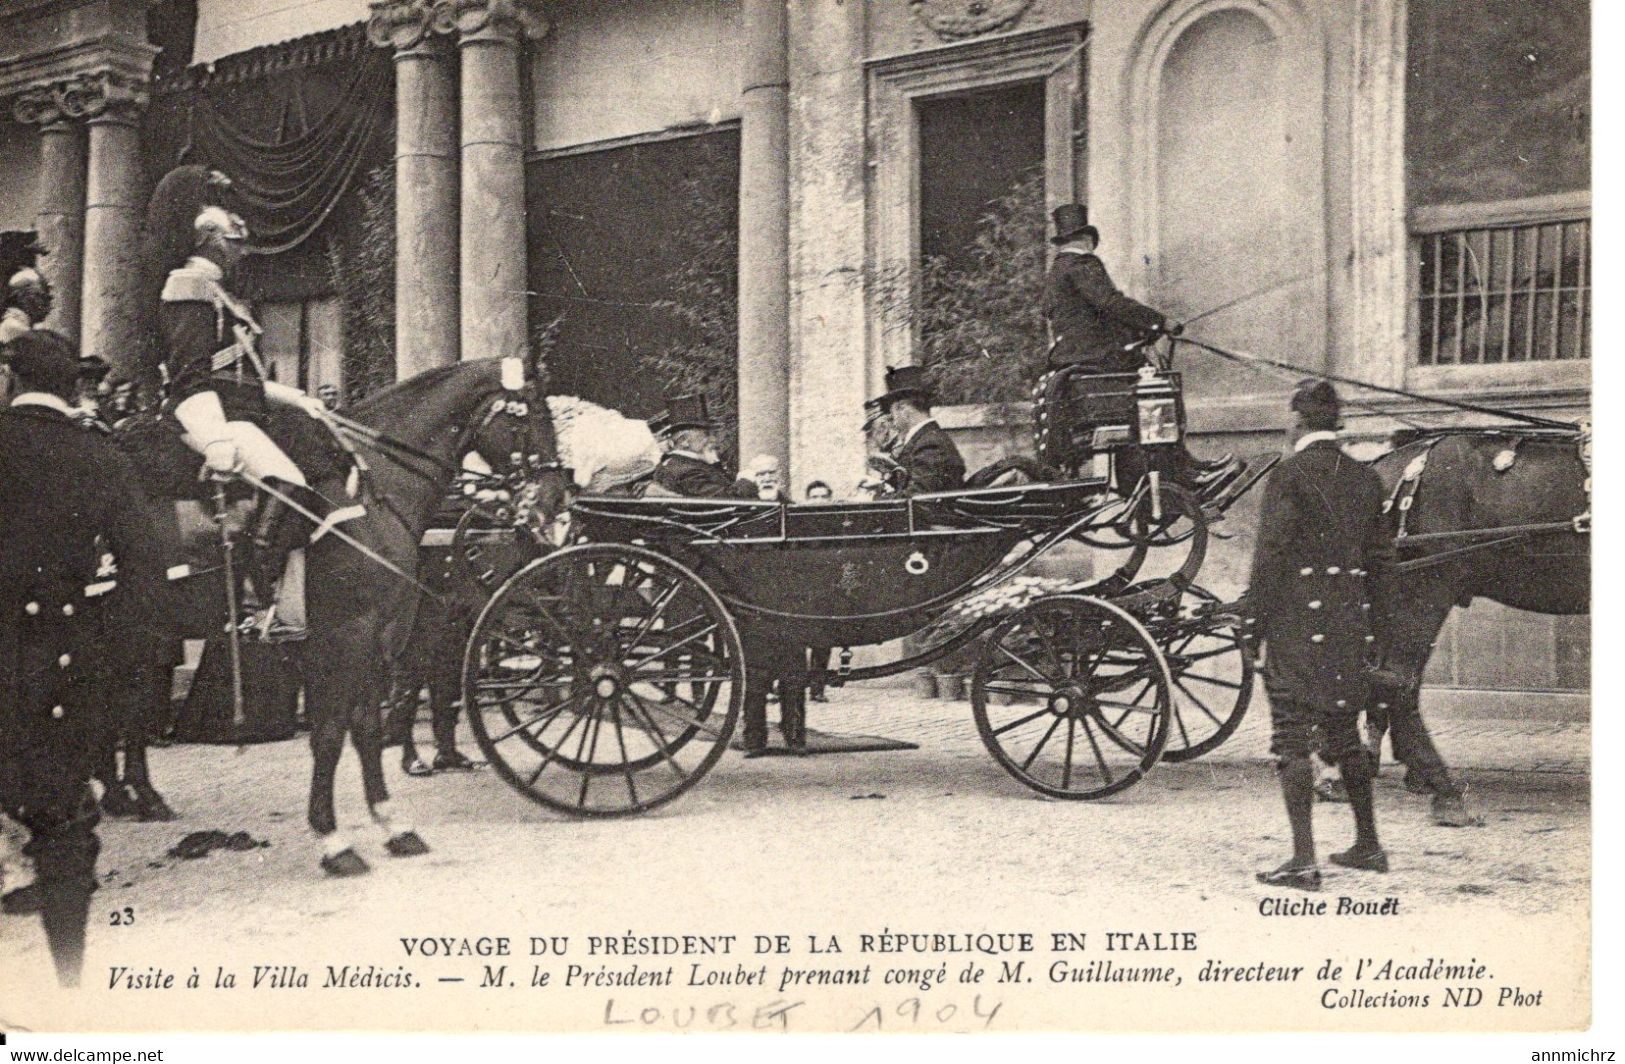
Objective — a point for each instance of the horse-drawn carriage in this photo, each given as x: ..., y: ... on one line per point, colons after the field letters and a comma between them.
x: 607, y: 677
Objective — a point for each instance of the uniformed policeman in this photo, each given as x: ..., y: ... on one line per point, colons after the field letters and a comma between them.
x: 690, y: 465
x: 215, y: 382
x: 1323, y: 561
x: 64, y: 492
x: 1096, y: 327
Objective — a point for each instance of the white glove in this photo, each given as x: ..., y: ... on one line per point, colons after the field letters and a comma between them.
x: 222, y: 457
x: 290, y: 396
x: 313, y: 406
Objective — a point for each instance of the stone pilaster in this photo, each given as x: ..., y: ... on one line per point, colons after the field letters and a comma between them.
x: 426, y: 150
x: 1380, y: 242
x: 493, y: 275
x: 61, y: 217
x: 764, y: 234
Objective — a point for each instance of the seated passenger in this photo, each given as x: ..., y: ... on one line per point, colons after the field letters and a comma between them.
x: 690, y: 466
x: 926, y: 457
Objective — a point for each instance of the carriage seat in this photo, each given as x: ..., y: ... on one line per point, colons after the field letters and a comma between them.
x: 1078, y: 414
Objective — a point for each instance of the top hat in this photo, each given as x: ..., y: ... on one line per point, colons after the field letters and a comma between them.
x: 19, y: 248
x: 905, y: 382
x: 1317, y: 403
x: 687, y: 412
x: 1072, y: 221
x: 659, y: 425
x: 873, y: 410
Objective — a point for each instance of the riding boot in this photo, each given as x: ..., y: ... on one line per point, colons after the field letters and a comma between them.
x: 279, y: 571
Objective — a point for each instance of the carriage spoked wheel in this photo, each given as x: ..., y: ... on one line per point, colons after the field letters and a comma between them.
x: 1054, y: 697
x: 603, y: 680
x: 1213, y: 682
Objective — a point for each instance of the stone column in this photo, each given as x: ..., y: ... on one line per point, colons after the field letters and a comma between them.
x: 764, y: 234
x: 426, y: 300
x: 493, y: 275
x: 115, y: 198
x: 61, y: 217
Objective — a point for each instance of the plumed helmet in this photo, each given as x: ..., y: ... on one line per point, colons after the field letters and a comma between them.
x: 172, y: 214
x: 1317, y: 405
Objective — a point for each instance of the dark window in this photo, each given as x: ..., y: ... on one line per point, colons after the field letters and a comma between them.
x: 974, y: 148
x: 1497, y: 99
x: 634, y: 250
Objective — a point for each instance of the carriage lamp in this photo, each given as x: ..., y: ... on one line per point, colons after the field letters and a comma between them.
x: 1157, y: 403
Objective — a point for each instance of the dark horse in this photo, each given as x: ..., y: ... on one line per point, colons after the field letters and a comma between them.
x: 1492, y: 513
x: 360, y: 612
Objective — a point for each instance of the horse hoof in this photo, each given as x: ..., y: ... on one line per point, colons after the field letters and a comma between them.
x: 153, y: 812
x: 406, y: 844
x: 344, y: 864
x: 120, y: 803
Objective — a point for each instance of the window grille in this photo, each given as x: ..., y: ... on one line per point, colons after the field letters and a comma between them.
x: 1501, y: 293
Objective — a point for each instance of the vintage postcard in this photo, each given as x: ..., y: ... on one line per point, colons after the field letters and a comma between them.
x: 876, y: 516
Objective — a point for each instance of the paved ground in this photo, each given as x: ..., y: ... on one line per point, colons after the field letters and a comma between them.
x: 934, y: 839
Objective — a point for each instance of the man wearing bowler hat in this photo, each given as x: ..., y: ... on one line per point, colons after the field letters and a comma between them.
x: 926, y: 457
x: 690, y: 465
x: 1092, y: 325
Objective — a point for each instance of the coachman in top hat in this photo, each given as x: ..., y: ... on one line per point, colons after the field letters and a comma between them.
x: 1098, y: 329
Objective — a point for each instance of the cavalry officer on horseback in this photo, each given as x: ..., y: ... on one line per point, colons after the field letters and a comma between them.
x: 215, y: 383
x: 64, y: 494
x: 1098, y: 329
x: 1323, y: 562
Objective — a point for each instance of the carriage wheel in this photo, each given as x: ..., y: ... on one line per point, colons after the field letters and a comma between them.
x: 593, y: 680
x: 1213, y: 684
x: 1069, y: 667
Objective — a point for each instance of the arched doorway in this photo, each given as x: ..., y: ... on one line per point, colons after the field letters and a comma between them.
x: 1238, y: 179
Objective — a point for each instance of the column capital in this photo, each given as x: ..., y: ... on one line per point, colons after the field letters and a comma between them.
x: 105, y: 95
x: 400, y: 24
x: 475, y: 20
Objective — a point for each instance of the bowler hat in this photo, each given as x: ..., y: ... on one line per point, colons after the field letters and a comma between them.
x: 1317, y: 404
x: 1071, y: 222
x: 688, y: 412
x: 905, y: 382
x: 45, y: 361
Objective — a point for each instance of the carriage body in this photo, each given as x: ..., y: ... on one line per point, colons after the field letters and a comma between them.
x: 841, y: 574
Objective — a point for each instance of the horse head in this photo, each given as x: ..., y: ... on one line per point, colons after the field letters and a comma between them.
x: 515, y: 437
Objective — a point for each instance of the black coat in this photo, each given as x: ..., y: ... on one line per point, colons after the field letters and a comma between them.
x: 65, y: 495
x: 683, y: 474
x: 1323, y: 564
x: 1090, y: 319
x: 930, y: 462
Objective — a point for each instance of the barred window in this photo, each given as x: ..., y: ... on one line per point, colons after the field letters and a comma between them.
x: 1503, y: 293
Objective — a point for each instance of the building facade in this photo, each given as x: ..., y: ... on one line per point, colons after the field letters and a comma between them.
x: 1390, y: 190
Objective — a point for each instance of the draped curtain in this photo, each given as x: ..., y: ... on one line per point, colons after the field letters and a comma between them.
x: 289, y: 184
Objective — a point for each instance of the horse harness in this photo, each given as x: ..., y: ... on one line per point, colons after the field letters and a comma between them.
x: 1402, y: 499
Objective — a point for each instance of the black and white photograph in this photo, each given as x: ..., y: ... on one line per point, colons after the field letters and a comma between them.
x: 796, y: 517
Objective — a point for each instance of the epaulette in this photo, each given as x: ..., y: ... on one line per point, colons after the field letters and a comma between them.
x: 189, y: 286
